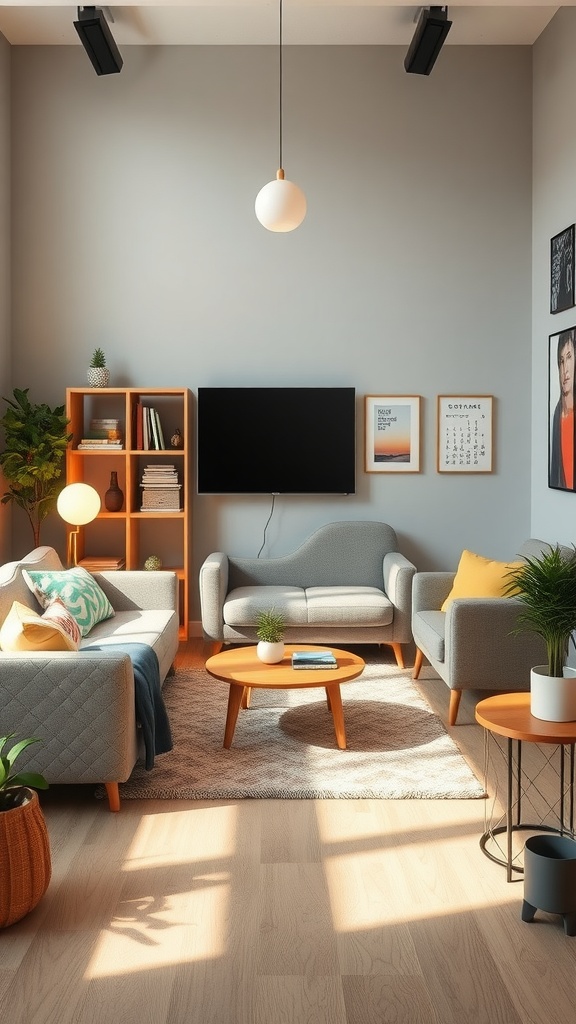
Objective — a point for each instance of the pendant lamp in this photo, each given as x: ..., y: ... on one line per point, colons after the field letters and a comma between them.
x: 280, y: 205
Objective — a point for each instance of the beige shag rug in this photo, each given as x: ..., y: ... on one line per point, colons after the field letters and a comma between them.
x: 284, y: 745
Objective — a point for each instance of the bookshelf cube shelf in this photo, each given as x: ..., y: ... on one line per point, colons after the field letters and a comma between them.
x: 132, y: 535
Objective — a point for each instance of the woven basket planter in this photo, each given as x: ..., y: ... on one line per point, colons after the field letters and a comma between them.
x: 25, y: 859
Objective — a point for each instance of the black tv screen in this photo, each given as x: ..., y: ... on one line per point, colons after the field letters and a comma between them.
x: 276, y: 440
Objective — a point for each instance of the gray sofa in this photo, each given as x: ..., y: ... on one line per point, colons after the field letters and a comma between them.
x: 471, y: 645
x: 81, y: 704
x: 347, y: 584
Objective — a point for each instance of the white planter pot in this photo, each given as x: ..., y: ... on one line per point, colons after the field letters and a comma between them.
x: 270, y: 653
x: 553, y: 698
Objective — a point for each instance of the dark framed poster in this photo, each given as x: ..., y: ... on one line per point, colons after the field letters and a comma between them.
x: 562, y: 270
x: 561, y: 447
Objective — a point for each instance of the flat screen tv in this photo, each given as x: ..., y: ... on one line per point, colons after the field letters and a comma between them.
x: 276, y: 440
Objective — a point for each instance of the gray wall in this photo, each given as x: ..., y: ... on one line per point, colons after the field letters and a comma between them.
x: 5, y: 309
x: 554, y: 208
x: 134, y: 229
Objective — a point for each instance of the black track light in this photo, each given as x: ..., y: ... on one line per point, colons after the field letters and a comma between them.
x: 431, y: 31
x: 96, y: 38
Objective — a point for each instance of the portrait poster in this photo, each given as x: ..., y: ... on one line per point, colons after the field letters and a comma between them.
x: 561, y: 446
x: 392, y: 433
x: 562, y: 270
x: 465, y: 433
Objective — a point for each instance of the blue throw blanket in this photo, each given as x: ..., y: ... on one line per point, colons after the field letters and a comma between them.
x: 151, y: 711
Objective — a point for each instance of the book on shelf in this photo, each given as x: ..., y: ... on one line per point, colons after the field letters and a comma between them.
x: 101, y: 563
x: 313, y: 659
x: 100, y: 446
x: 149, y: 435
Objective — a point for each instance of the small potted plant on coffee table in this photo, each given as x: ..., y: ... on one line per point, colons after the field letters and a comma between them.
x: 270, y: 633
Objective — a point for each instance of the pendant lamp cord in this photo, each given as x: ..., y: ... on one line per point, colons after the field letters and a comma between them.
x: 280, y: 84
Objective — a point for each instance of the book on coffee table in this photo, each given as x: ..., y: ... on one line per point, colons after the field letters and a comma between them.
x: 313, y: 659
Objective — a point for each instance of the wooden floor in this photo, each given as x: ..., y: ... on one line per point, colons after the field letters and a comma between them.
x: 273, y: 912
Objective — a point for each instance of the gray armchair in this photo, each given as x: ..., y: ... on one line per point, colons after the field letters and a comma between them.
x: 346, y: 584
x: 470, y: 645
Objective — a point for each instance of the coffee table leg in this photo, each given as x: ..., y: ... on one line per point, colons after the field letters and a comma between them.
x: 234, y: 702
x: 335, y: 703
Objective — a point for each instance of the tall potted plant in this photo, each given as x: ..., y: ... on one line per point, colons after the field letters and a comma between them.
x: 24, y: 845
x: 546, y: 586
x: 35, y: 440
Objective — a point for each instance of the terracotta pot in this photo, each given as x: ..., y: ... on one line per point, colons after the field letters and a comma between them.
x: 269, y: 653
x: 553, y: 698
x: 25, y: 859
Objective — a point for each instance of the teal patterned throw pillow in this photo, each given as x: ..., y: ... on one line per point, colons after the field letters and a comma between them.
x: 77, y: 589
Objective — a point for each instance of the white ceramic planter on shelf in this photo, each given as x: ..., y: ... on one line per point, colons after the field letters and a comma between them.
x: 269, y: 653
x: 553, y: 698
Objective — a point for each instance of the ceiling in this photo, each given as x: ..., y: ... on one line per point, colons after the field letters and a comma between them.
x: 255, y: 22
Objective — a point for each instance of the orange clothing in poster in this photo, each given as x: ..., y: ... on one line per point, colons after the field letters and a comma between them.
x: 567, y: 448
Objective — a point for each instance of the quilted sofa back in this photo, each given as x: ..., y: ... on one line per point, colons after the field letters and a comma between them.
x: 12, y: 584
x: 349, y: 553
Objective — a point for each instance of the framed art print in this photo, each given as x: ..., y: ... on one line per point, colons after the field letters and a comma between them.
x: 465, y: 433
x: 392, y: 433
x: 561, y: 448
x: 562, y: 270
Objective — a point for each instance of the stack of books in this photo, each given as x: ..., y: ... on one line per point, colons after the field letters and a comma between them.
x: 313, y: 659
x: 160, y: 488
x: 102, y: 435
x: 101, y: 563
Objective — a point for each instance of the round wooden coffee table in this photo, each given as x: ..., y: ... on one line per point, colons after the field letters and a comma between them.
x: 243, y: 670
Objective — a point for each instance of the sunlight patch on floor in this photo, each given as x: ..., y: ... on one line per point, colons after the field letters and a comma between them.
x: 209, y: 833
x: 186, y: 920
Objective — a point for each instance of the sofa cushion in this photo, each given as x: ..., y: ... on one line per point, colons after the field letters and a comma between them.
x: 242, y: 606
x: 158, y: 629
x: 77, y: 589
x: 477, y: 576
x: 430, y: 629
x: 346, y: 605
x: 26, y: 630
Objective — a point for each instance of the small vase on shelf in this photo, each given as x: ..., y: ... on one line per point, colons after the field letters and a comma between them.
x: 114, y: 497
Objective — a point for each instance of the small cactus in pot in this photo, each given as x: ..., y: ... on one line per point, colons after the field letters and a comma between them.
x: 98, y: 372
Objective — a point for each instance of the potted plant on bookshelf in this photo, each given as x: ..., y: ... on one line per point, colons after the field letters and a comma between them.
x: 24, y: 845
x: 270, y: 633
x: 98, y: 372
x: 35, y: 439
x: 546, y: 586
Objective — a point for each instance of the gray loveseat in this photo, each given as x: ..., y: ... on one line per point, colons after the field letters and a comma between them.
x: 347, y: 584
x: 81, y: 704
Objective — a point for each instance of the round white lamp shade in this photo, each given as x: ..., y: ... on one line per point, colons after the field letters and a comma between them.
x: 78, y: 504
x: 280, y: 205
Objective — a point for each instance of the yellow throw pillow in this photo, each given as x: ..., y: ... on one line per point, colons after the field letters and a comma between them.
x: 479, y: 577
x: 25, y: 630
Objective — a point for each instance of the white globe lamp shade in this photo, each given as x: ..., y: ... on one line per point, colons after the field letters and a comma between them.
x: 78, y: 504
x: 280, y: 205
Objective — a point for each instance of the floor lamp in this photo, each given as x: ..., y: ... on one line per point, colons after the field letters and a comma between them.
x: 78, y: 504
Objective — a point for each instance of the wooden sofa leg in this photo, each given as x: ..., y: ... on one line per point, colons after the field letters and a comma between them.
x: 417, y: 663
x: 113, y: 793
x: 398, y: 654
x: 455, y: 696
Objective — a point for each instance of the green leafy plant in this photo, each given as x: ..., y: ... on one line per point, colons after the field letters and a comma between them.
x: 546, y: 586
x: 13, y: 783
x: 98, y: 360
x: 35, y: 442
x: 270, y: 626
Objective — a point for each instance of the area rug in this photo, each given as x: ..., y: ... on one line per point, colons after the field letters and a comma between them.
x: 284, y: 746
